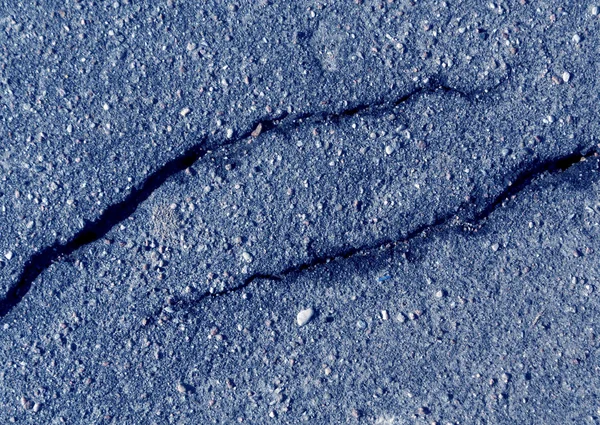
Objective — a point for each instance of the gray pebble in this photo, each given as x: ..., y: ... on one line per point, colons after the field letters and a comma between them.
x: 304, y: 316
x: 181, y: 388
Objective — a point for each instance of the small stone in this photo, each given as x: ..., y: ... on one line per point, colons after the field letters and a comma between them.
x: 184, y: 112
x: 229, y: 133
x: 505, y: 378
x: 37, y: 406
x: 247, y: 257
x: 566, y: 77
x: 594, y: 10
x: 439, y: 294
x: 576, y: 38
x: 495, y: 247
x: 389, y: 150
x: 25, y: 403
x: 424, y: 410
x: 304, y: 316
x: 384, y: 315
x: 401, y: 318
x: 257, y: 131
x: 181, y: 388
x: 8, y: 255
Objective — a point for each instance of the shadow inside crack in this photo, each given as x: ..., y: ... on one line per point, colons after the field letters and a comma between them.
x: 95, y: 230
x: 120, y: 211
x: 523, y: 180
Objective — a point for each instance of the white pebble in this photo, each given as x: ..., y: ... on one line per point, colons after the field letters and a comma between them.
x: 8, y: 255
x: 247, y: 257
x: 389, y: 150
x: 184, y: 112
x: 384, y: 315
x: 594, y: 10
x: 25, y: 403
x: 576, y: 39
x: 229, y: 133
x: 566, y: 77
x: 304, y: 316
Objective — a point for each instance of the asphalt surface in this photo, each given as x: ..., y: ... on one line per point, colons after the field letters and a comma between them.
x: 324, y: 212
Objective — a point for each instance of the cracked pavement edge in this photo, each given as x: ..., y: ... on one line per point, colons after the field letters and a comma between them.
x: 120, y: 211
x: 445, y: 222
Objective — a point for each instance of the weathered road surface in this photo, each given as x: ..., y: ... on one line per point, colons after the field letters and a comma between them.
x: 180, y: 181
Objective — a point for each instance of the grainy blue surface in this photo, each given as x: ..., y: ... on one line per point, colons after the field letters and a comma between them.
x: 179, y: 180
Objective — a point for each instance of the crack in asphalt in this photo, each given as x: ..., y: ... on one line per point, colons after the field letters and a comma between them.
x: 120, y: 211
x: 521, y: 181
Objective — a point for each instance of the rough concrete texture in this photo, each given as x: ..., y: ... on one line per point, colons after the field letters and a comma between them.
x: 96, y: 98
x: 289, y: 212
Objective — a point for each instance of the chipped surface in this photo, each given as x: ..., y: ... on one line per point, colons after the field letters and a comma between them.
x: 214, y: 218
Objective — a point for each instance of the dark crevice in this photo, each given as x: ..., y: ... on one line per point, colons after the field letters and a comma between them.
x: 118, y: 212
x: 525, y: 177
x: 522, y: 180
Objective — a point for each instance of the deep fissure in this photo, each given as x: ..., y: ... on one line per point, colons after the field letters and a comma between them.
x: 520, y: 182
x: 120, y: 211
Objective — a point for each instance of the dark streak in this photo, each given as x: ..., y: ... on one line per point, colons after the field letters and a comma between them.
x: 93, y: 231
x: 525, y: 177
x: 445, y: 222
x: 120, y: 211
